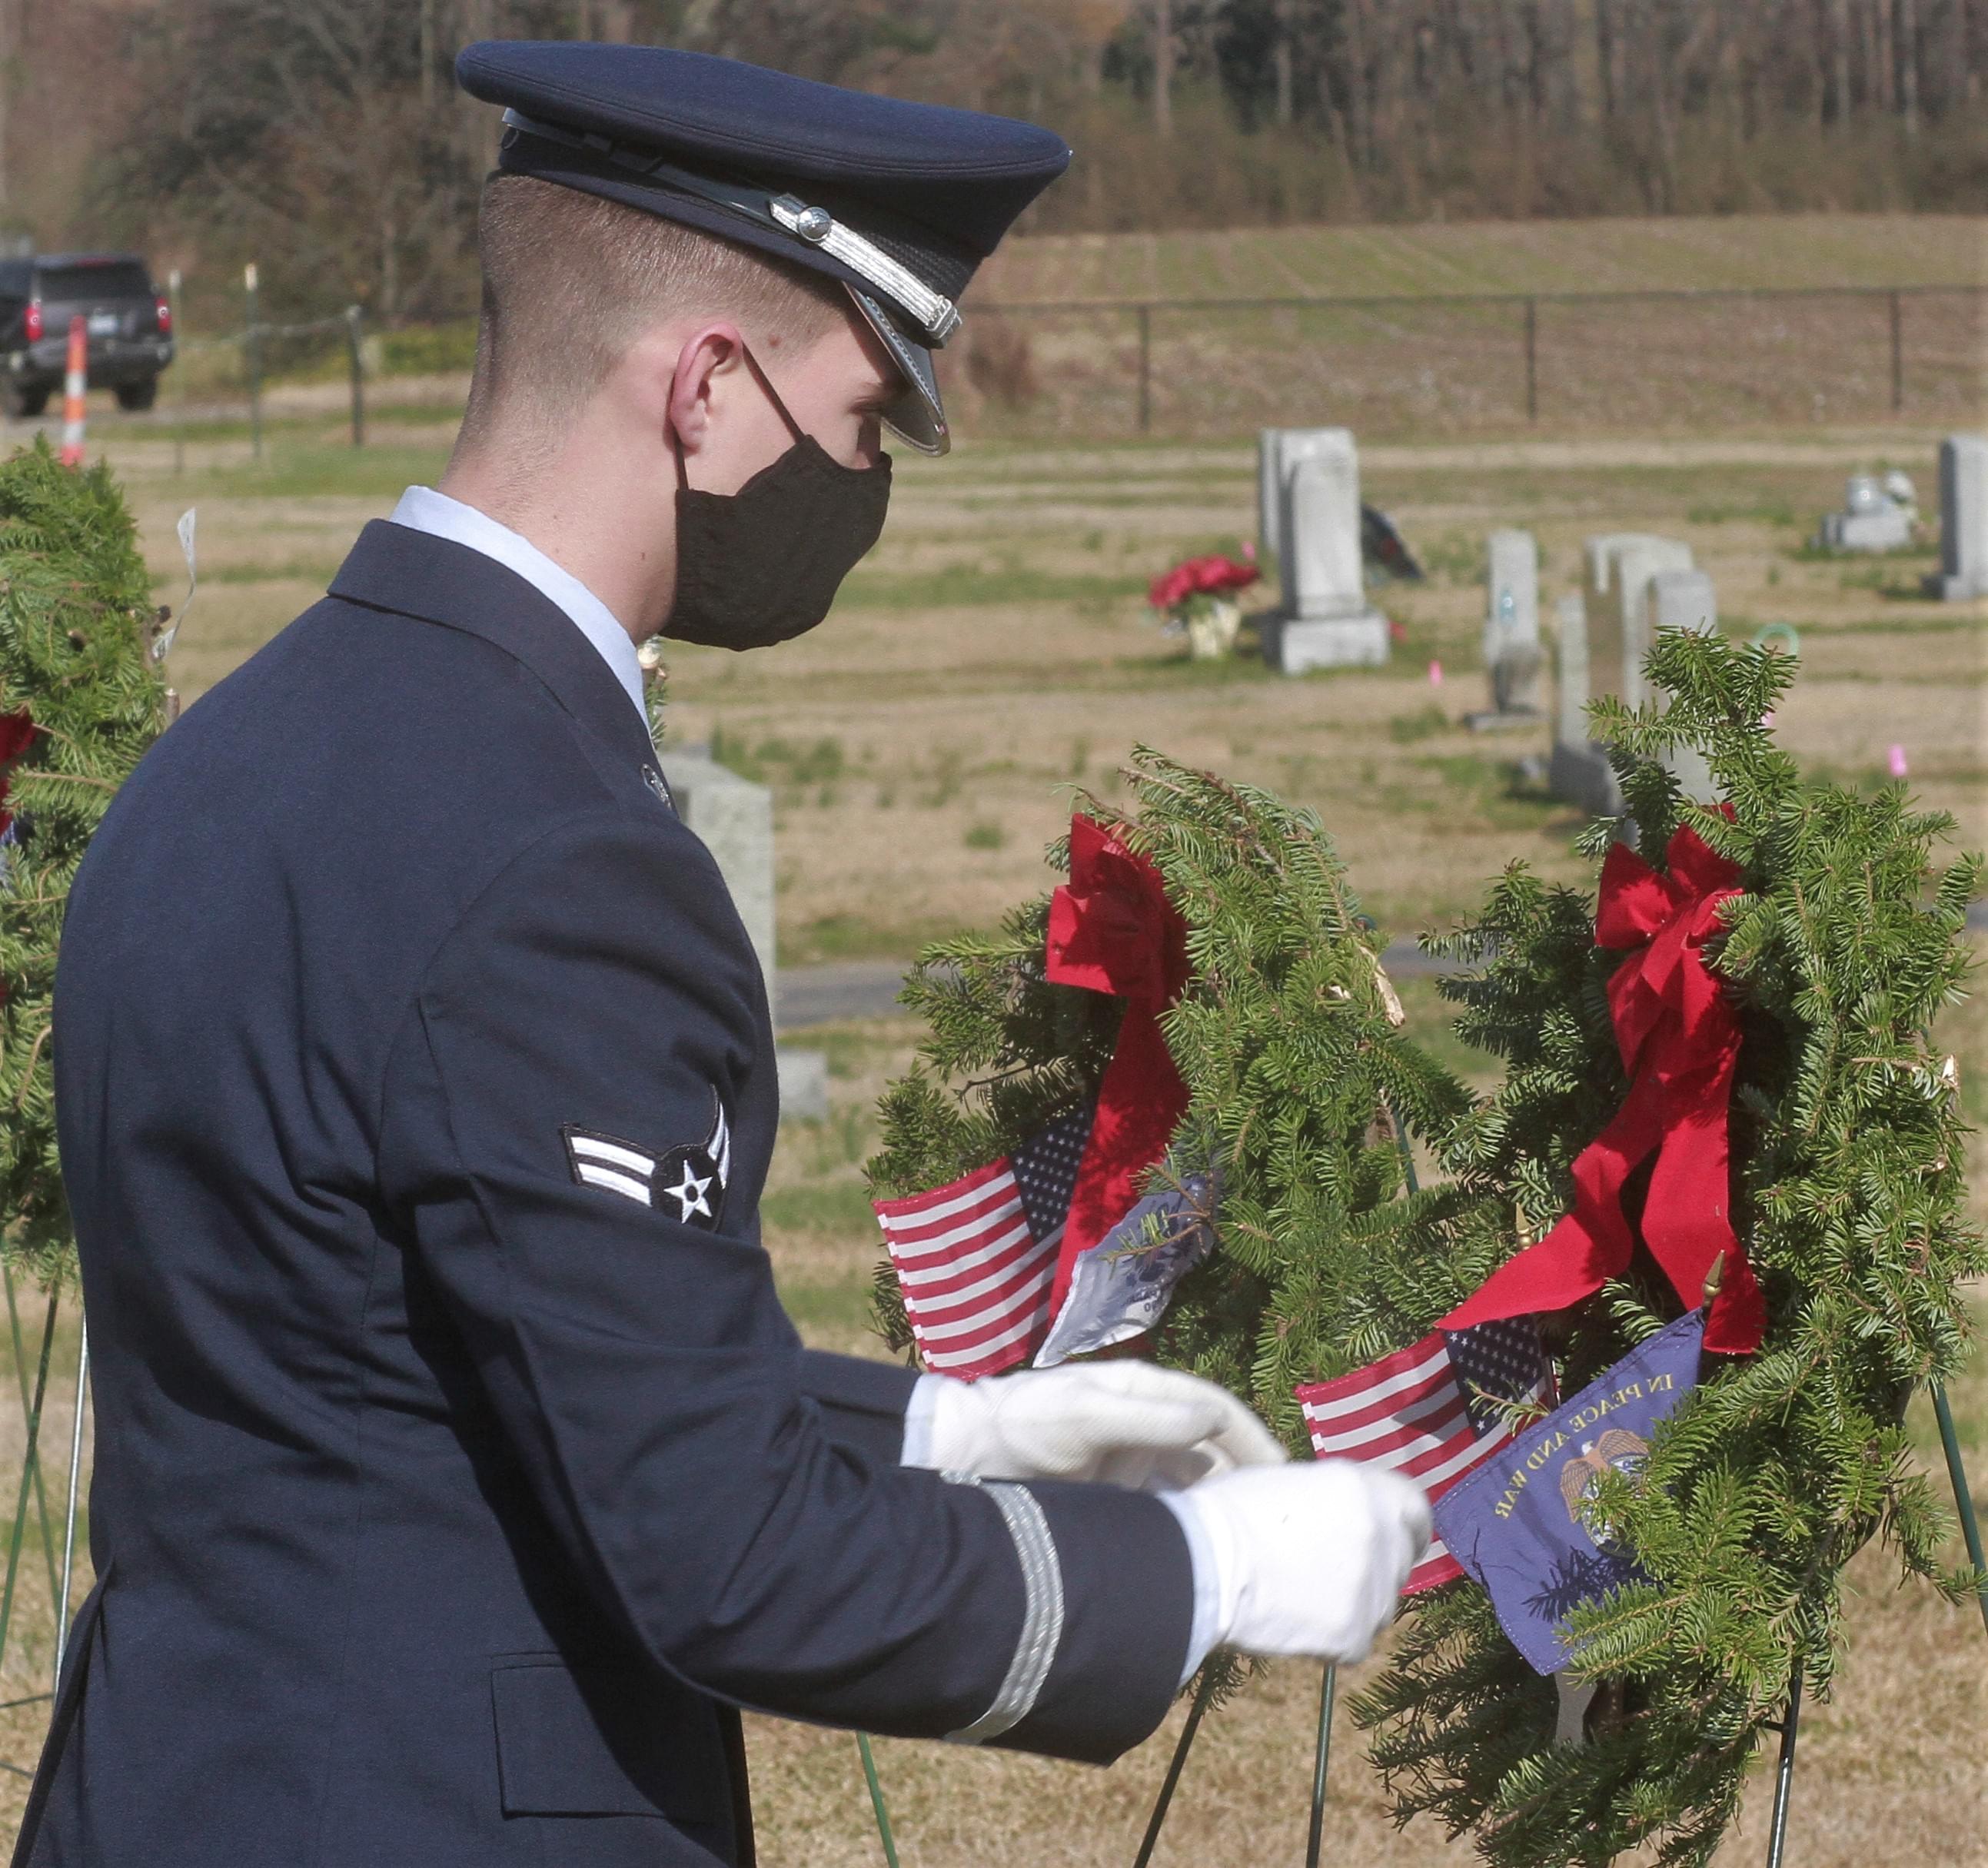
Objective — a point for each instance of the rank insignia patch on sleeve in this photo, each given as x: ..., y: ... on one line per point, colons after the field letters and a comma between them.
x: 685, y: 1183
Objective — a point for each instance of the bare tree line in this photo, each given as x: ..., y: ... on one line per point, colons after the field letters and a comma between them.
x: 327, y: 134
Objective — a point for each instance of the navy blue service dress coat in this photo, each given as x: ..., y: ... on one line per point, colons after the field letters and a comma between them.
x: 457, y: 1473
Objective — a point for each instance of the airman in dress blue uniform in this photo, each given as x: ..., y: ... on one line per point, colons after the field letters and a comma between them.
x: 458, y: 1476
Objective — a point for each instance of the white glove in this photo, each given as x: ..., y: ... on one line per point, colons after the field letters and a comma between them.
x: 1125, y: 1424
x: 1306, y: 1559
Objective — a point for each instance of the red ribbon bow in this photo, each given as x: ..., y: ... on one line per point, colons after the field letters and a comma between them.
x: 1112, y: 930
x: 1679, y: 1038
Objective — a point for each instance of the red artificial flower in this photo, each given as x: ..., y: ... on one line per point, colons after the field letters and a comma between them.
x: 1211, y: 574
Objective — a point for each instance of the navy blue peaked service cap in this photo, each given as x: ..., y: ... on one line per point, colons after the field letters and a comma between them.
x: 900, y: 201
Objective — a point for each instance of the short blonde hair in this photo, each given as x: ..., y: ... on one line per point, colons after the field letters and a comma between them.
x: 571, y: 280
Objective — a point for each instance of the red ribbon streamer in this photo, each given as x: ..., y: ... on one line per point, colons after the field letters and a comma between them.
x: 1112, y: 930
x: 1679, y: 1038
x: 17, y: 734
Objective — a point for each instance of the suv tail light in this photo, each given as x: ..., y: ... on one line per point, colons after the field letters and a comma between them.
x: 165, y: 317
x: 34, y: 321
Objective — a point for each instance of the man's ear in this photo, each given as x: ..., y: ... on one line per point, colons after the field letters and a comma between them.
x: 705, y: 354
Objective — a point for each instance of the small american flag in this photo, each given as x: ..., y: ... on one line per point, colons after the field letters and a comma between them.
x: 1431, y: 1413
x: 975, y: 1260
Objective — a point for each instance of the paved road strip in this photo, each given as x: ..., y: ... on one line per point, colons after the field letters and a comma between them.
x: 847, y: 989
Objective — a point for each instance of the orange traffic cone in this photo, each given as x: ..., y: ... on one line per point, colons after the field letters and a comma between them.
x: 74, y: 387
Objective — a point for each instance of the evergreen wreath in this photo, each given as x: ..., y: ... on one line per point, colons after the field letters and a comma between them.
x: 80, y: 700
x: 1840, y: 953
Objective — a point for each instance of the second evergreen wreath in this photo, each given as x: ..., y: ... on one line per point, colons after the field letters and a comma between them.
x: 1643, y: 1318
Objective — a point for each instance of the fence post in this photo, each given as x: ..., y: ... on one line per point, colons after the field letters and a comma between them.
x: 353, y: 335
x: 1898, y: 352
x: 1532, y: 360
x: 252, y: 343
x: 1145, y: 369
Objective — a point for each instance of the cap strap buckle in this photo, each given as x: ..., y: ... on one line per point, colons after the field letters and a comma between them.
x: 938, y: 314
x: 815, y: 226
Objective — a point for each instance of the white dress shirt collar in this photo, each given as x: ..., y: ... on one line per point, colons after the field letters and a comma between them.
x: 423, y: 509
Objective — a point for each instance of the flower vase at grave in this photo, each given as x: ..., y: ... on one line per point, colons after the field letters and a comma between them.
x: 1212, y: 627
x: 1194, y: 598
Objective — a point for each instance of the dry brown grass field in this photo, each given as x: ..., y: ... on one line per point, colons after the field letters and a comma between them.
x: 1708, y: 251
x: 995, y: 653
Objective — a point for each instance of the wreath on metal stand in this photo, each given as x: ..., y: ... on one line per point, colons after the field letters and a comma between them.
x: 82, y: 697
x: 1746, y: 1002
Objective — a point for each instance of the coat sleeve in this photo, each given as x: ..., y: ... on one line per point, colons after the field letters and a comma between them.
x: 862, y: 1403
x: 653, y: 1394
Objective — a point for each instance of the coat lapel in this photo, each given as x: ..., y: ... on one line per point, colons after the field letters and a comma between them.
x: 415, y: 574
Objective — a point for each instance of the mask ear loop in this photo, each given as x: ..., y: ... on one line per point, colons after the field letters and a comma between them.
x: 773, y: 396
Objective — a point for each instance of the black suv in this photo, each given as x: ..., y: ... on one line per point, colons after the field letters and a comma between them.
x: 130, y: 327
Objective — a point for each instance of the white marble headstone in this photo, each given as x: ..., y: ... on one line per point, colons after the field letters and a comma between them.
x: 1684, y: 599
x: 1580, y: 772
x: 1963, y: 517
x: 1324, y: 575
x: 1878, y: 515
x: 1270, y: 494
x: 1512, y: 619
x: 1513, y: 659
x: 1687, y: 600
x: 1620, y: 566
x: 1309, y: 485
x: 733, y: 818
x: 1570, y: 710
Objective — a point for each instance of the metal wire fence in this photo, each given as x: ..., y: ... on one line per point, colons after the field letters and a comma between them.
x: 1091, y: 369
x: 1696, y: 358
x: 267, y: 349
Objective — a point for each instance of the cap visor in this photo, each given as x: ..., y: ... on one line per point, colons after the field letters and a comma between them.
x: 918, y: 414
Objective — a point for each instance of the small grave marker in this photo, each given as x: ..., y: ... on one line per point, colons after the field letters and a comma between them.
x: 1309, y: 485
x: 734, y: 820
x: 1878, y: 515
x: 1513, y: 658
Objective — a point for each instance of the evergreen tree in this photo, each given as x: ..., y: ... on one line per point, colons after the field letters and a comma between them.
x: 77, y: 626
x: 1840, y: 953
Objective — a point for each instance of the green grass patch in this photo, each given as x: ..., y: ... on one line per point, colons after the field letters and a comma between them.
x: 957, y: 586
x: 429, y: 349
x: 852, y: 937
x: 1864, y: 570
x: 781, y: 763
x: 320, y: 571
x: 1931, y: 621
x: 841, y: 1309
x: 1454, y: 558
x: 1494, y: 788
x: 1743, y: 512
x: 305, y: 470
x: 1173, y: 668
x: 1405, y: 729
x: 840, y: 1206
x: 1431, y: 1023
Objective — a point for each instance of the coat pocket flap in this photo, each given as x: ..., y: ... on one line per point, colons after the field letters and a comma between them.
x: 606, y: 1742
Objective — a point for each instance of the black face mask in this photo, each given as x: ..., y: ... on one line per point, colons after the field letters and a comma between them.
x: 762, y: 565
